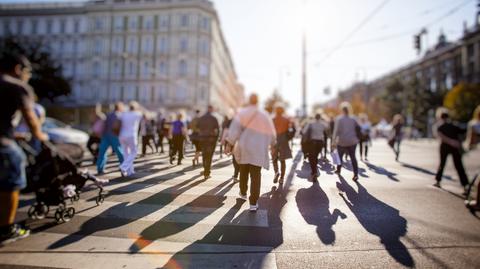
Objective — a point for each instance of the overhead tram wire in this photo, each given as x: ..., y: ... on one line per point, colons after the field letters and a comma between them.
x: 355, y: 30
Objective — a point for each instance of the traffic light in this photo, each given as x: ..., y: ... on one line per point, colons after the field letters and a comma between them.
x: 417, y: 43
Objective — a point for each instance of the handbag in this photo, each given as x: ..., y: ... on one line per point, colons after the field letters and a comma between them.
x: 335, y: 157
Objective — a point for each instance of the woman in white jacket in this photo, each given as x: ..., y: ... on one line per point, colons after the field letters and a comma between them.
x: 253, y: 133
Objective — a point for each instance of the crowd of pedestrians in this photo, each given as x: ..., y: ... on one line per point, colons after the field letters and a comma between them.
x: 250, y: 135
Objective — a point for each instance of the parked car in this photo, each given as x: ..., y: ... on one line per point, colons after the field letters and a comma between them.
x: 69, y: 140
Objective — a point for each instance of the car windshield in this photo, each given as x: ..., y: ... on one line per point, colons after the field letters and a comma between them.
x: 53, y: 123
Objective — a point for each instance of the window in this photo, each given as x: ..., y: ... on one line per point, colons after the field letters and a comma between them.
x: 184, y: 20
x: 116, y: 69
x: 119, y: 23
x: 118, y: 44
x: 132, y: 45
x: 181, y: 92
x: 131, y: 93
x: 148, y: 23
x: 203, y: 93
x: 146, y: 69
x: 76, y: 26
x: 49, y: 26
x: 133, y: 23
x: 98, y: 24
x: 161, y: 93
x: 20, y: 27
x: 205, y: 23
x: 145, y: 94
x: 204, y: 47
x: 96, y: 69
x: 162, y: 67
x: 131, y: 69
x: 6, y: 28
x: 203, y: 70
x: 147, y: 45
x: 183, y: 44
x: 98, y: 47
x: 34, y: 27
x: 182, y: 68
x: 63, y: 26
x: 75, y: 47
x: 164, y: 21
x: 163, y: 45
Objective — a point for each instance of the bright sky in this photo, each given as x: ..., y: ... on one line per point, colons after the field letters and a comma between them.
x: 265, y: 36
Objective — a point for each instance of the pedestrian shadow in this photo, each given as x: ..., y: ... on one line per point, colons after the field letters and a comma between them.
x: 213, y: 200
x: 103, y: 221
x: 305, y: 171
x: 238, y: 235
x: 423, y: 170
x: 382, y: 171
x: 378, y: 218
x: 326, y: 166
x: 313, y: 204
x: 362, y: 172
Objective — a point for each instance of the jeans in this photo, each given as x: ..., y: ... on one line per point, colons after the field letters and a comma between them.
x: 315, y: 149
x: 106, y: 142
x: 12, y: 166
x: 129, y: 146
x: 208, y: 148
x: 254, y: 172
x: 146, y: 142
x: 350, y: 150
x: 160, y: 140
x: 446, y: 150
x: 364, y: 145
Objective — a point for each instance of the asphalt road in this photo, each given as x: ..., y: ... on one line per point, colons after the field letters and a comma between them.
x: 168, y: 217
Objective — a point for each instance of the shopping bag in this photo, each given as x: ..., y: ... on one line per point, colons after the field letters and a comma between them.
x: 335, y: 157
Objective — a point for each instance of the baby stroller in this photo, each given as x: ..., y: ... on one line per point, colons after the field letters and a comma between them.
x: 55, y: 179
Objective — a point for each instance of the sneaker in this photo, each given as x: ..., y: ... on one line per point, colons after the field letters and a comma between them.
x: 355, y: 178
x: 280, y: 181
x: 275, y: 178
x: 16, y: 233
x: 437, y: 184
x: 254, y: 208
x: 242, y: 196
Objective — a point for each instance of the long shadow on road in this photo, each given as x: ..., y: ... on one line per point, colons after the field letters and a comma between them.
x: 378, y: 218
x: 313, y: 204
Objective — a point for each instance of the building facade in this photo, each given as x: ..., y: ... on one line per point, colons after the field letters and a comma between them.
x: 166, y: 54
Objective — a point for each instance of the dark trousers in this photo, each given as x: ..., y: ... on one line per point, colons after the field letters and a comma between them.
x: 177, y: 146
x: 146, y: 139
x: 446, y: 150
x: 350, y: 151
x: 236, y: 167
x: 363, y: 145
x: 208, y: 148
x: 254, y: 172
x: 315, y: 149
x: 161, y: 136
x: 275, y: 161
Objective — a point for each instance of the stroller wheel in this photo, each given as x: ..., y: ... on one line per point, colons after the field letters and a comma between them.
x: 38, y: 211
x: 59, y: 215
x: 100, y: 199
x: 68, y: 214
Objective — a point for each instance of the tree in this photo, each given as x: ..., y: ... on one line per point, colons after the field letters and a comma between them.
x: 462, y: 100
x: 47, y: 79
x: 394, y: 97
x: 274, y: 100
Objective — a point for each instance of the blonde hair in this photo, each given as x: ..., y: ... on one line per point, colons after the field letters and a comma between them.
x: 440, y: 112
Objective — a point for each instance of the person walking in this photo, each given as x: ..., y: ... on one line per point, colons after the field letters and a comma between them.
x: 397, y: 135
x: 345, y: 137
x: 252, y: 132
x: 130, y: 123
x: 98, y: 125
x: 147, y: 131
x: 195, y: 137
x: 473, y: 139
x: 208, y: 130
x: 225, y: 122
x: 315, y: 132
x: 178, y: 133
x: 450, y: 144
x: 110, y: 138
x: 223, y: 141
x: 15, y: 96
x: 162, y: 131
x: 282, y: 151
x: 365, y: 129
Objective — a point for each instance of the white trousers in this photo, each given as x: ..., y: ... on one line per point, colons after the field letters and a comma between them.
x: 129, y: 146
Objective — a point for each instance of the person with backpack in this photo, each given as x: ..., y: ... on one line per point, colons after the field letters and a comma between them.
x: 282, y: 150
x: 250, y: 136
x: 15, y: 96
x: 209, y: 131
x: 345, y: 137
x: 111, y: 130
x: 315, y: 132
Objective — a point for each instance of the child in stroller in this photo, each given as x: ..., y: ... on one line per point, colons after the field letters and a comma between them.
x: 55, y: 179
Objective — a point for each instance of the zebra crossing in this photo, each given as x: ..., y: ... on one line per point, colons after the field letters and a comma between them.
x: 165, y: 217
